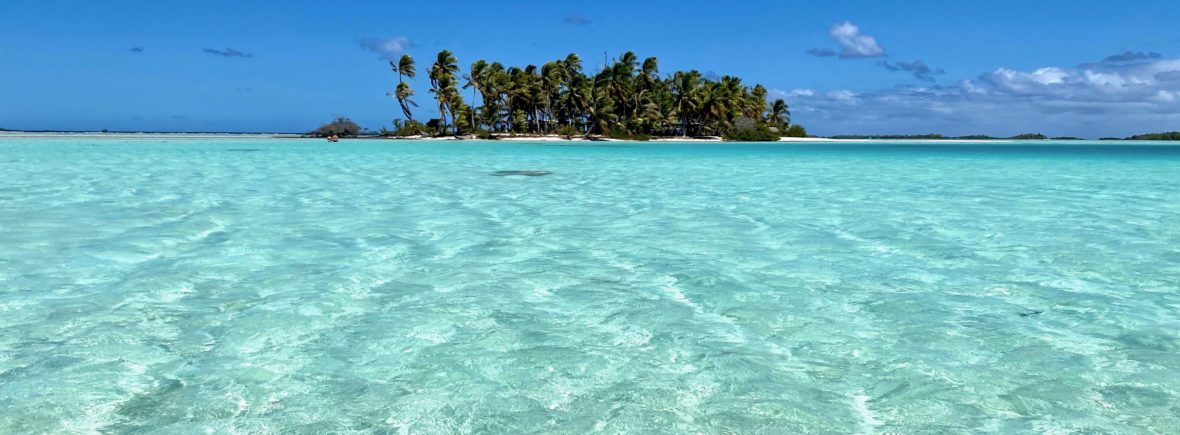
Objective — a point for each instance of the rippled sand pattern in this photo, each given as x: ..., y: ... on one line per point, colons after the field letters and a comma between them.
x: 376, y: 287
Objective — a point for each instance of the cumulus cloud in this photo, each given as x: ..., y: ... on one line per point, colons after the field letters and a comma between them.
x: 229, y: 52
x: 853, y: 44
x: 576, y: 20
x: 387, y: 48
x: 1132, y: 56
x: 918, y: 68
x: 1098, y: 99
x: 1018, y: 81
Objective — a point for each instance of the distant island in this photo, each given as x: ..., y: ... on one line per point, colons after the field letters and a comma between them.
x: 1027, y: 136
x: 1169, y: 136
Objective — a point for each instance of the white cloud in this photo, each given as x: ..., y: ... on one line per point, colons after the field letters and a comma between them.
x: 842, y: 95
x: 779, y: 93
x: 853, y: 44
x: 1020, y: 81
x: 388, y: 48
x: 1049, y: 76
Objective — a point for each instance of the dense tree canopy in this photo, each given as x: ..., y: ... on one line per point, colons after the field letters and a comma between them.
x: 628, y: 98
x: 339, y: 127
x: 1172, y: 135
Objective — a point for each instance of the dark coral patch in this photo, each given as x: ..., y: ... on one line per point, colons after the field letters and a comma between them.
x: 521, y: 173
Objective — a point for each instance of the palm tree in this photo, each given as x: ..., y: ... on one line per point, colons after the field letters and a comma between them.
x: 550, y: 83
x: 578, y: 96
x: 780, y: 113
x: 403, y: 94
x: 685, y: 86
x: 404, y: 67
x: 442, y: 83
x: 495, y: 84
x: 755, y: 104
x: 473, y: 77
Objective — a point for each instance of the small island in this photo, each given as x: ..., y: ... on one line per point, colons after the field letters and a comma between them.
x: 628, y: 99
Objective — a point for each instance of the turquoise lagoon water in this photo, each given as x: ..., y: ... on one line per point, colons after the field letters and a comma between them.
x: 267, y: 286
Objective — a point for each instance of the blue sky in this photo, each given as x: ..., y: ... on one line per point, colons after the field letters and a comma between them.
x: 845, y: 66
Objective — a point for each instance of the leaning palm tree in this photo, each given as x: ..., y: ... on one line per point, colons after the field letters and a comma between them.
x: 403, y: 94
x: 404, y: 67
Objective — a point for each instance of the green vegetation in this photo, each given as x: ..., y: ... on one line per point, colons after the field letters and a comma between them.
x: 627, y: 99
x: 796, y: 130
x: 404, y: 128
x: 760, y: 134
x: 1067, y: 138
x: 1029, y: 136
x: 1171, y: 135
x: 747, y: 130
x: 568, y: 131
x: 342, y: 126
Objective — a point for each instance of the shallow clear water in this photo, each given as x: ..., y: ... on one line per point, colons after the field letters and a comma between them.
x: 379, y: 287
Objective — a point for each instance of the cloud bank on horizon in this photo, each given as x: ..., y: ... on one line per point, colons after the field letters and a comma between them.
x: 1130, y: 90
x: 1124, y: 91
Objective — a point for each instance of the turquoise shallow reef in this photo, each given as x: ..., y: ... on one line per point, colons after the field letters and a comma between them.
x: 294, y: 286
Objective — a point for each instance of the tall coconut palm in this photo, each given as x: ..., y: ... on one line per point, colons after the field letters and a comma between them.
x: 550, y: 83
x: 473, y: 77
x: 442, y: 82
x: 493, y: 86
x: 685, y: 86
